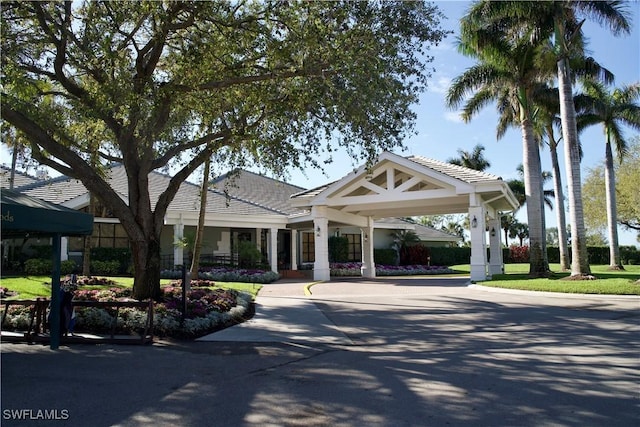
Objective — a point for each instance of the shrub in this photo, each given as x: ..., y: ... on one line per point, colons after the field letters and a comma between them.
x: 384, y: 256
x: 43, y: 267
x: 106, y: 268
x: 121, y: 255
x: 338, y: 249
x: 415, y: 254
x: 450, y: 255
x: 248, y: 254
x: 519, y: 253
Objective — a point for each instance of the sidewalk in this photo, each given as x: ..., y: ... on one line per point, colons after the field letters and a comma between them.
x: 283, y: 315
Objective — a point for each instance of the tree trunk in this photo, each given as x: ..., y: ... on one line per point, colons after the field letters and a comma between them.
x: 197, y: 247
x: 579, y: 258
x: 146, y: 262
x: 560, y: 215
x: 86, y: 254
x: 538, y: 264
x: 612, y: 214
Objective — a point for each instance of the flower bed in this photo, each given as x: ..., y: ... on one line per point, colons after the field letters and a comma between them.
x: 226, y: 274
x: 353, y: 269
x: 411, y: 270
x: 208, y: 310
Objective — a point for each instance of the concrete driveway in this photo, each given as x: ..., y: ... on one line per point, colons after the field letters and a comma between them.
x: 386, y: 352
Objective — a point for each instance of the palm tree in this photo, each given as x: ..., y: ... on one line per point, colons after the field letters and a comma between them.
x: 506, y: 72
x: 567, y: 33
x: 507, y: 222
x: 612, y: 110
x: 518, y: 189
x: 401, y: 240
x: 561, y: 18
x: 519, y: 230
x: 472, y: 160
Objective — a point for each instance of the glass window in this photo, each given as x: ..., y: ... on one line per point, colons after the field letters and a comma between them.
x: 355, y: 247
x: 308, y: 247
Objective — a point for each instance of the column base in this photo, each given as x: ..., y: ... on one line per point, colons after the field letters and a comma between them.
x: 496, y: 269
x: 368, y: 272
x: 322, y: 274
x: 478, y: 272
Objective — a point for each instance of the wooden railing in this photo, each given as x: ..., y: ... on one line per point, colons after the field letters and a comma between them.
x: 37, y: 330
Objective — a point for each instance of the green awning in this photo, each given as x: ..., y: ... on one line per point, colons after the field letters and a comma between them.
x: 25, y: 215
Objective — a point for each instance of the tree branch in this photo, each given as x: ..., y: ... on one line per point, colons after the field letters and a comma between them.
x: 176, y: 180
x: 178, y: 148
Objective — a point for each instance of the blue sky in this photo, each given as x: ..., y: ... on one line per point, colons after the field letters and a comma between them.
x: 440, y: 132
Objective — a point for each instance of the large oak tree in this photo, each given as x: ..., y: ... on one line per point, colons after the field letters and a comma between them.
x: 278, y: 83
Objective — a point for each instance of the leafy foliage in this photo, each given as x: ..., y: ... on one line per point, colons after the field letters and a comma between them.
x: 415, y: 254
x: 518, y: 253
x: 159, y: 84
x: 39, y: 267
x: 338, y: 249
x: 472, y: 160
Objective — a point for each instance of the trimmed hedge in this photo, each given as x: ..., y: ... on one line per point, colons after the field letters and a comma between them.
x: 121, y: 255
x: 385, y: 256
x: 43, y: 267
x: 450, y: 256
x: 338, y: 249
x: 597, y: 255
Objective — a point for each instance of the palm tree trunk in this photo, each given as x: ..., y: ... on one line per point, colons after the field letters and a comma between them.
x: 560, y: 216
x: 579, y: 258
x: 197, y: 247
x: 538, y: 261
x: 612, y: 214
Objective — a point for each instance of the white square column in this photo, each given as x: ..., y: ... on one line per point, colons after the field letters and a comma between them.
x: 321, y: 269
x: 178, y: 249
x: 478, y: 243
x: 294, y: 249
x: 368, y: 268
x: 273, y: 249
x: 496, y: 263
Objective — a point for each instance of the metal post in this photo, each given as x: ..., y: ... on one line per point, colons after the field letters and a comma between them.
x: 54, y: 317
x: 184, y: 293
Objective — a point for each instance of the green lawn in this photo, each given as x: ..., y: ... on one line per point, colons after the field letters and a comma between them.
x: 31, y: 287
x: 609, y: 282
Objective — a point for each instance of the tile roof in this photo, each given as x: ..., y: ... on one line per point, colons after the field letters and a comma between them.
x: 20, y: 178
x: 455, y: 171
x: 270, y: 202
x: 259, y: 189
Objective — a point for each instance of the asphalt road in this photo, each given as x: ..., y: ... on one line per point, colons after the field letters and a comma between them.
x: 398, y: 352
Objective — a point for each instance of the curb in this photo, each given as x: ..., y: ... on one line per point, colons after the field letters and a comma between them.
x: 551, y: 294
x: 307, y: 288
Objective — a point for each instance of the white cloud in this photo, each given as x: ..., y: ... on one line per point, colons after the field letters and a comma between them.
x: 440, y: 84
x: 453, y: 116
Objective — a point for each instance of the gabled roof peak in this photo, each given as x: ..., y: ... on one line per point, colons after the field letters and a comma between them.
x: 458, y: 172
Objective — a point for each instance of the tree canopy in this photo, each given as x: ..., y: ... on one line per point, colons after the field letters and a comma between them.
x: 154, y: 84
x: 627, y: 195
